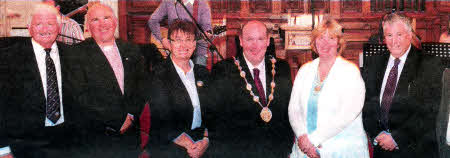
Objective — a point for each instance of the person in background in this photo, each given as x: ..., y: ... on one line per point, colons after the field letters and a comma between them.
x: 173, y: 10
x: 443, y: 124
x: 71, y: 32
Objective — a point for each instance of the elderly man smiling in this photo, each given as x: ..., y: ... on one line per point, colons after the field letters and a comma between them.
x: 34, y: 114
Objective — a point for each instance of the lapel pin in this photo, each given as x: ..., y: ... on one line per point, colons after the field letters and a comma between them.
x: 199, y: 83
x: 126, y: 59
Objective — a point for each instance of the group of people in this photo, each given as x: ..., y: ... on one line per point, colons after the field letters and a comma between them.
x: 88, y: 100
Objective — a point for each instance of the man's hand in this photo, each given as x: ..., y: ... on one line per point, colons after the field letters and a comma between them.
x: 386, y: 142
x: 198, y: 149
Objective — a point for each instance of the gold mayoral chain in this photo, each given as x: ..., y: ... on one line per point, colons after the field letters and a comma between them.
x: 265, y: 114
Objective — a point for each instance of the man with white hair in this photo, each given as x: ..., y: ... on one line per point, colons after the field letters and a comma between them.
x: 402, y: 95
x: 34, y: 117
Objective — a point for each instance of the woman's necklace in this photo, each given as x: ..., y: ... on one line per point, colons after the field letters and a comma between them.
x: 265, y: 114
x: 319, y: 82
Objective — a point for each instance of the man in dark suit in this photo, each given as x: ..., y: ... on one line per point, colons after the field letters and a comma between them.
x: 111, y: 82
x: 35, y: 102
x: 442, y: 131
x: 402, y: 94
x: 249, y: 117
x: 179, y: 96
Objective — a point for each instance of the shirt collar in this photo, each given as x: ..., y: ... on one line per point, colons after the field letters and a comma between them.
x: 180, y: 71
x: 260, y: 66
x: 38, y: 46
x: 403, y: 57
x: 109, y: 47
x: 189, y: 1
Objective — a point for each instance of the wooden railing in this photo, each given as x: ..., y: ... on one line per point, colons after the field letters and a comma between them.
x: 400, y: 5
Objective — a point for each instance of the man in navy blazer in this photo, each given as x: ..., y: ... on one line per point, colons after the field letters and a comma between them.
x: 33, y: 70
x: 110, y: 84
x: 402, y: 95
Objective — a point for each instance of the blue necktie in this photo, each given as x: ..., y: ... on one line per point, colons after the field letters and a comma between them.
x: 53, y: 101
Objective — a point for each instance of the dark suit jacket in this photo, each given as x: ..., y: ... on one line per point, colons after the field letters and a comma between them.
x: 172, y: 109
x: 236, y: 128
x: 23, y: 104
x: 103, y: 108
x: 442, y: 120
x: 414, y: 107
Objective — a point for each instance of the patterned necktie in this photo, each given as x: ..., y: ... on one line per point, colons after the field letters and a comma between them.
x: 258, y: 83
x: 53, y: 101
x: 116, y: 64
x: 388, y: 94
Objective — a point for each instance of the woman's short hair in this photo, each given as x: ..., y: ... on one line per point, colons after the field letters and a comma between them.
x: 183, y: 26
x: 334, y: 29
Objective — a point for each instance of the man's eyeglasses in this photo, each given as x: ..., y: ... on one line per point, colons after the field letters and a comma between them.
x: 179, y: 41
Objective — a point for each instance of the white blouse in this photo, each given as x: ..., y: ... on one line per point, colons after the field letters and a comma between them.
x: 340, y: 102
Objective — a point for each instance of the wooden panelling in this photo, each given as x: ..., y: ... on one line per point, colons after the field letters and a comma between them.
x: 138, y: 30
x: 360, y: 20
x: 260, y: 6
x: 351, y: 6
x: 295, y: 6
x: 225, y: 6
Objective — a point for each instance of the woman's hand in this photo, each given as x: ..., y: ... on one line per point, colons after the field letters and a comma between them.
x: 198, y: 149
x: 307, y: 147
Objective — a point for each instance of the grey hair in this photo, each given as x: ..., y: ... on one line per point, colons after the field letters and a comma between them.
x: 394, y: 17
x: 40, y: 7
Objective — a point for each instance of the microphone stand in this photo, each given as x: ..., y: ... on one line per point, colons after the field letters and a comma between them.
x: 212, y: 48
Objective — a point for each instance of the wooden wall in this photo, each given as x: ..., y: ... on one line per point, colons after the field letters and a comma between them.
x: 360, y: 19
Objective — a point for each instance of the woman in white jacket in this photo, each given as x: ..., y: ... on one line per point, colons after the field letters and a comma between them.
x: 327, y: 99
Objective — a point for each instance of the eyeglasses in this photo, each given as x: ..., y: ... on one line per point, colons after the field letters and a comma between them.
x: 179, y: 41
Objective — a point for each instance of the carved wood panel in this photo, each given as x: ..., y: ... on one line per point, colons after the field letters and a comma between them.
x: 260, y: 6
x: 351, y: 6
x: 138, y: 31
x: 295, y: 6
x: 400, y: 5
x: 324, y: 5
x: 142, y: 6
x: 225, y: 6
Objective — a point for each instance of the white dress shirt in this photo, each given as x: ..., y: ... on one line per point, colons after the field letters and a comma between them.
x: 189, y: 1
x: 388, y: 70
x: 40, y: 58
x: 448, y: 131
x: 188, y: 80
x: 262, y: 71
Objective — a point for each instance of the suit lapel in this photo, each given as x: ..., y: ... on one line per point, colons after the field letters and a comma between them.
x: 34, y: 81
x: 248, y: 76
x: 103, y: 68
x: 126, y: 65
x: 268, y: 77
x: 177, y: 85
x: 407, y: 75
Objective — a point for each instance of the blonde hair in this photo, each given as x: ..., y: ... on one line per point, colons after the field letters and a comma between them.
x: 334, y: 29
x: 40, y: 7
